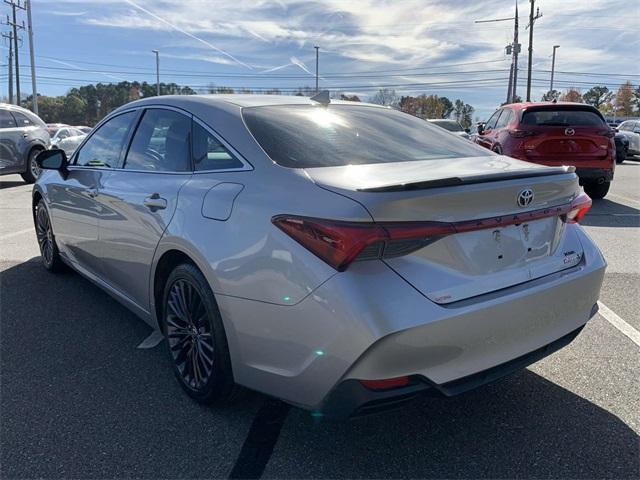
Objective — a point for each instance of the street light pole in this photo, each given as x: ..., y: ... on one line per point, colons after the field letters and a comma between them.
x: 553, y: 65
x: 317, y: 54
x: 157, y: 71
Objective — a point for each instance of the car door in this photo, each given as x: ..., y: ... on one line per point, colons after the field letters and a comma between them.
x: 500, y: 130
x: 486, y: 138
x: 141, y: 197
x: 74, y: 197
x: 10, y: 137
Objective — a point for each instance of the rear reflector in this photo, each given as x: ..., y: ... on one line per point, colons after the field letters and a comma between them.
x: 386, y: 383
x: 340, y: 243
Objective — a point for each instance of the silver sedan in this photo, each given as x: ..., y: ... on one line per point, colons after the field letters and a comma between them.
x: 340, y: 256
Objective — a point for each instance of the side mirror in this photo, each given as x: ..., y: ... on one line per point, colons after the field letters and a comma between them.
x: 52, y: 160
x: 480, y: 128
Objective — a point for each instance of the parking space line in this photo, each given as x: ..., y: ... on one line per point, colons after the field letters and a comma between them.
x: 619, y: 323
x: 15, y: 234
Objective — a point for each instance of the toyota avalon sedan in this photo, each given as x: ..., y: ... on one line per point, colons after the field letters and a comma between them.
x: 340, y: 256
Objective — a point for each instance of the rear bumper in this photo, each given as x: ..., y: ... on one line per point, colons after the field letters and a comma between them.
x: 368, y: 323
x: 595, y: 174
x: 351, y: 399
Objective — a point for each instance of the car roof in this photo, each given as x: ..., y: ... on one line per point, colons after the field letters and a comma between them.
x: 240, y: 100
x: 525, y: 105
x: 9, y: 106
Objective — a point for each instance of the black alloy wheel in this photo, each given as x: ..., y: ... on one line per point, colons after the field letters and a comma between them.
x: 196, y: 337
x: 46, y: 240
x: 189, y: 334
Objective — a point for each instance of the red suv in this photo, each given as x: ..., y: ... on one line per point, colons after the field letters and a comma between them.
x: 555, y: 134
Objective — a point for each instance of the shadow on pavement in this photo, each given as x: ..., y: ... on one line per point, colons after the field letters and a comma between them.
x: 522, y: 427
x: 608, y: 213
x: 10, y: 184
x: 79, y: 400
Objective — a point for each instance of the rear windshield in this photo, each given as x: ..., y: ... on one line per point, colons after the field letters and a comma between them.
x: 448, y: 125
x: 306, y: 136
x: 562, y: 118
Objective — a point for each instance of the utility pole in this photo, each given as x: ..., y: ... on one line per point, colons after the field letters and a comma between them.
x: 514, y: 61
x: 34, y: 89
x: 532, y: 19
x: 157, y: 71
x: 553, y: 65
x: 9, y: 36
x: 15, y: 5
x: 513, y: 50
x: 317, y: 57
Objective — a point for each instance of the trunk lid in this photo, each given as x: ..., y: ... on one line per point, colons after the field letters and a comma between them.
x: 472, y: 263
x: 570, y: 134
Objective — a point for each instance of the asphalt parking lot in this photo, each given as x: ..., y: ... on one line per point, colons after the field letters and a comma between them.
x: 80, y: 400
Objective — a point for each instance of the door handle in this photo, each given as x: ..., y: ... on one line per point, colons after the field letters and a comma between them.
x: 155, y: 202
x: 92, y: 192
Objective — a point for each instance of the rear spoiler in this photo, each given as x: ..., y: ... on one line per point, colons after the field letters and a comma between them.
x: 453, y: 181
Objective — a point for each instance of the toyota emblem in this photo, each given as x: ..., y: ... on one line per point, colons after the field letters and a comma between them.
x: 569, y: 131
x: 525, y: 197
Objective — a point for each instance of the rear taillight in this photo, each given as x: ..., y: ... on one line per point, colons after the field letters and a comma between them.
x: 386, y: 383
x: 607, y: 133
x: 522, y: 133
x: 579, y: 208
x: 341, y: 243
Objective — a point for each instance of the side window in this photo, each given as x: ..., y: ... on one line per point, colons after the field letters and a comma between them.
x: 505, y: 118
x: 22, y: 120
x: 209, y: 153
x: 624, y: 126
x: 104, y: 148
x: 491, y: 123
x: 6, y: 120
x: 161, y: 143
x: 62, y: 134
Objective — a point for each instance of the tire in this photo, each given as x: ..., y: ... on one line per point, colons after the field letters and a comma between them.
x: 31, y: 175
x: 497, y: 149
x: 597, y: 190
x: 196, y: 338
x: 49, y: 252
x: 621, y: 155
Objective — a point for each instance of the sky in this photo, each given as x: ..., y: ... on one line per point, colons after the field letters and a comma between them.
x: 413, y: 46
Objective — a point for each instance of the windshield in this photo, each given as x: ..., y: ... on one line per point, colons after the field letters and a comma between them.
x: 448, y: 125
x: 562, y: 118
x: 305, y: 136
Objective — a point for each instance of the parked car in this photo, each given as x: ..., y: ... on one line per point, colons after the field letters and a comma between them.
x: 83, y: 128
x: 54, y: 127
x: 631, y: 130
x: 555, y: 134
x: 67, y: 139
x: 22, y: 136
x: 622, y: 147
x: 451, y: 126
x: 337, y: 255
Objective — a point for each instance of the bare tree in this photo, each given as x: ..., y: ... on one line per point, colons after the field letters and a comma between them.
x: 385, y: 96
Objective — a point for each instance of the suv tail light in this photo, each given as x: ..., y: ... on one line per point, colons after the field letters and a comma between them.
x: 579, y: 208
x: 609, y: 133
x: 341, y: 243
x: 522, y: 133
